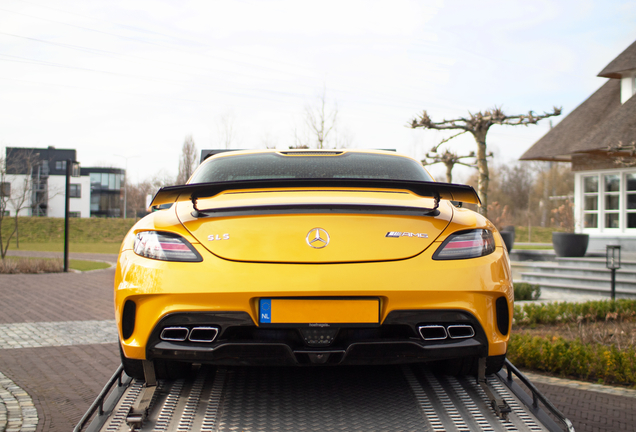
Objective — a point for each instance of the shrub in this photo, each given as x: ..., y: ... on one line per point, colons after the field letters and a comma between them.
x: 592, y: 311
x: 31, y: 265
x: 526, y: 291
x: 596, y: 362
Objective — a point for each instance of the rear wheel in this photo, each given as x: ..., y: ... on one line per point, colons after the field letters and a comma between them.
x: 133, y: 367
x: 164, y: 369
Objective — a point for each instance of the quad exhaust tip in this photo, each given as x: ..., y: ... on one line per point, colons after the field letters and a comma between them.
x: 196, y: 334
x: 175, y: 334
x: 203, y: 334
x: 460, y: 331
x: 433, y: 332
x: 440, y: 332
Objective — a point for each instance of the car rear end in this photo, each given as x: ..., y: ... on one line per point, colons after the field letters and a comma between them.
x: 308, y: 274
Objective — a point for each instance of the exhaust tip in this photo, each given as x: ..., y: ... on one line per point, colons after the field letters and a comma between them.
x: 203, y: 334
x: 175, y: 334
x: 432, y: 332
x: 461, y: 331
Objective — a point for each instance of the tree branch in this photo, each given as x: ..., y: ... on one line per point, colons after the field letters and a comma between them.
x: 434, y: 149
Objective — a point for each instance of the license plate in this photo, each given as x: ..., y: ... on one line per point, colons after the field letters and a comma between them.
x: 319, y: 311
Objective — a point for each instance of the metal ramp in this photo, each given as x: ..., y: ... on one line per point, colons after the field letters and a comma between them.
x: 360, y: 398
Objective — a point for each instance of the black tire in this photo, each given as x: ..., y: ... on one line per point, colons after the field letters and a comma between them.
x: 495, y: 363
x: 133, y: 367
x: 164, y: 369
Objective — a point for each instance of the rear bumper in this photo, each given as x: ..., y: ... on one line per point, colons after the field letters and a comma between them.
x: 240, y: 342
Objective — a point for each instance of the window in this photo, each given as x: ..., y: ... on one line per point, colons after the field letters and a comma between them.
x: 75, y: 191
x: 612, y: 183
x: 609, y: 201
x: 60, y: 165
x: 75, y: 214
x: 630, y: 198
x: 94, y: 202
x: 307, y: 165
x: 5, y: 189
x: 590, y: 202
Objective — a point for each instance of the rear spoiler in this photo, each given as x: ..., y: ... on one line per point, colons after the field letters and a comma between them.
x: 192, y: 192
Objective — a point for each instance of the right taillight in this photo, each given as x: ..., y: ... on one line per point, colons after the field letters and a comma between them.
x: 466, y: 244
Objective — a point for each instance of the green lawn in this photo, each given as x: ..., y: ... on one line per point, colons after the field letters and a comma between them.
x: 80, y: 265
x: 106, y: 248
x: 531, y: 247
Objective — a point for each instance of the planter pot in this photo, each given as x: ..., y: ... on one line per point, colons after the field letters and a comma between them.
x: 508, y: 238
x: 570, y: 244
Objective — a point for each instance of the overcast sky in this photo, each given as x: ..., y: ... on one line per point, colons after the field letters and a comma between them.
x: 131, y: 79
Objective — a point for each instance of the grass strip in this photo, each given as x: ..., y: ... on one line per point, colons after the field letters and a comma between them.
x: 562, y: 312
x: 531, y: 247
x: 107, y: 248
x: 14, y: 265
x: 572, y: 358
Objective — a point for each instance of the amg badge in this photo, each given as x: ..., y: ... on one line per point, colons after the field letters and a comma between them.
x: 396, y: 234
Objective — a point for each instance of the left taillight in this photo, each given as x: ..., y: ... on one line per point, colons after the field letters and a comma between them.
x: 466, y: 244
x: 165, y: 246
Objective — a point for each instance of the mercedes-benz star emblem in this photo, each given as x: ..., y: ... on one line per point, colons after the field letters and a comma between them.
x: 317, y: 238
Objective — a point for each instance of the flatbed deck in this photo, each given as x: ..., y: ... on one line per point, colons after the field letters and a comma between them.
x: 372, y: 398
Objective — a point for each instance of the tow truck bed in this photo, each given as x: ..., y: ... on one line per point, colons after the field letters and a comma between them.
x: 374, y: 398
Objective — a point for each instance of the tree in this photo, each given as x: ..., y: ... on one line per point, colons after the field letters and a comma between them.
x: 226, y: 130
x: 449, y: 159
x: 16, y: 191
x: 187, y: 160
x: 321, y: 127
x: 138, y: 193
x: 478, y: 125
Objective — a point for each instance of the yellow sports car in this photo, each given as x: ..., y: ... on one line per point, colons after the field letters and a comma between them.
x: 306, y: 257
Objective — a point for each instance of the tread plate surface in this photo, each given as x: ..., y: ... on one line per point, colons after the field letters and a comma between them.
x: 370, y: 398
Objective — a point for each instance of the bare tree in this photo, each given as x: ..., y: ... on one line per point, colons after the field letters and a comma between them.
x: 137, y: 194
x: 321, y: 127
x: 16, y: 191
x: 449, y: 159
x: 320, y: 121
x: 478, y: 125
x: 226, y: 130
x: 187, y: 160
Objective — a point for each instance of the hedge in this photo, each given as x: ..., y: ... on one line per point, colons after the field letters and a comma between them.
x: 596, y: 362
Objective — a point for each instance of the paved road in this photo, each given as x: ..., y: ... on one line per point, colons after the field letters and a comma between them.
x: 65, y: 349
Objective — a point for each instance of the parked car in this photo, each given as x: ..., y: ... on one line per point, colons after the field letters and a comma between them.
x: 308, y: 257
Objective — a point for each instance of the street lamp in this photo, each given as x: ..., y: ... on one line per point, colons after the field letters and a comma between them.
x: 126, y: 180
x: 613, y: 262
x: 72, y: 170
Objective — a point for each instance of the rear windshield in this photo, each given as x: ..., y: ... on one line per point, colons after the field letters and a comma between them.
x: 261, y: 166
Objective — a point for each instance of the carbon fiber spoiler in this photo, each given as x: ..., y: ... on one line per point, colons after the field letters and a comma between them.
x: 192, y: 192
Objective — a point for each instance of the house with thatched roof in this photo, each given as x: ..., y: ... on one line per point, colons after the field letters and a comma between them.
x: 599, y: 139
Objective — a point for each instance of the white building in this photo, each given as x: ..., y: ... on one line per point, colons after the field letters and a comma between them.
x: 35, y: 181
x: 599, y: 139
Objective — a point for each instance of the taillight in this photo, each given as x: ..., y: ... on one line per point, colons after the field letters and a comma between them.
x: 165, y: 246
x: 466, y: 244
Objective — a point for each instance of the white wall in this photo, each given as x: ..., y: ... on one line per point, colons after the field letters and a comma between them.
x: 17, y: 187
x: 627, y: 85
x: 57, y: 197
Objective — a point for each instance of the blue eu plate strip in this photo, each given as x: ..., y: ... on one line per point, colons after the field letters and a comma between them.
x: 265, y: 310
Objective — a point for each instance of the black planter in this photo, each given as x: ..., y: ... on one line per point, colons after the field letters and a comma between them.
x: 508, y: 238
x: 570, y: 244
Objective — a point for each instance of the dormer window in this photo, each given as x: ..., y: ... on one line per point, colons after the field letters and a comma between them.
x: 628, y: 85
